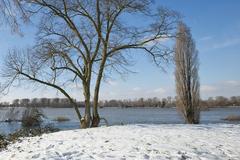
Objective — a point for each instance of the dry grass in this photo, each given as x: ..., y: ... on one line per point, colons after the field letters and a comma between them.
x: 62, y: 119
x: 232, y: 118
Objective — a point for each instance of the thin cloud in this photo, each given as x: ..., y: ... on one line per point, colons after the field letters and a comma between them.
x: 214, y: 44
x: 136, y: 89
x: 160, y: 91
x: 232, y: 83
x: 226, y: 43
x: 112, y: 83
x: 207, y: 88
x: 225, y: 88
x: 206, y: 38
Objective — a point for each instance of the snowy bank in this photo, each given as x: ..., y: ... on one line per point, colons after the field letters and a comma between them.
x: 220, y: 141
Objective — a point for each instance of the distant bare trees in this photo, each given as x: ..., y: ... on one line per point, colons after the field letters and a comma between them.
x: 65, y: 103
x: 211, y: 102
x: 80, y: 40
x: 220, y: 101
x: 141, y: 102
x: 186, y: 75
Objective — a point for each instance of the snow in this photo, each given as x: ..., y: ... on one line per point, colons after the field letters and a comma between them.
x: 205, y: 142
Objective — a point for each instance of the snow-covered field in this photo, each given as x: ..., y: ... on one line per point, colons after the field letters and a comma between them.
x: 220, y: 141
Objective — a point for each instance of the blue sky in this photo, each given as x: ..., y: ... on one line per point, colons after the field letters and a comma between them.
x: 215, y: 27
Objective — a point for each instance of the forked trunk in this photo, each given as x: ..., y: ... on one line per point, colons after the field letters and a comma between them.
x: 96, y: 118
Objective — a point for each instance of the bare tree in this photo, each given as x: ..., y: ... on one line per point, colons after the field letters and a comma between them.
x: 80, y: 40
x: 186, y: 75
x: 12, y: 14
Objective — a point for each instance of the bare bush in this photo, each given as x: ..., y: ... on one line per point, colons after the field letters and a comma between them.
x: 62, y: 119
x: 12, y: 114
x: 3, y: 142
x: 32, y: 117
x: 232, y: 118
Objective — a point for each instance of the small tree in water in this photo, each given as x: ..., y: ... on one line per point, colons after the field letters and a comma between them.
x: 186, y: 75
x: 32, y: 117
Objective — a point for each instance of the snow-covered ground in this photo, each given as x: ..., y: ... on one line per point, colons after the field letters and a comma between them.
x: 220, y: 141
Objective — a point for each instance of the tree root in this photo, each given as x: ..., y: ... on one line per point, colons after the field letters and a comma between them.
x: 105, y: 120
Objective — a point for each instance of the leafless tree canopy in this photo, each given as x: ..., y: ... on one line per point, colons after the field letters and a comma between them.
x: 12, y: 14
x: 78, y: 40
x: 186, y: 74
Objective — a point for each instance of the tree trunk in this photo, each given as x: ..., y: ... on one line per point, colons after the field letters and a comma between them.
x: 77, y: 110
x: 191, y: 116
x: 96, y: 118
x: 86, y: 120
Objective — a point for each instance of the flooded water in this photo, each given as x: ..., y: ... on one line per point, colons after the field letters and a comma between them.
x: 117, y: 116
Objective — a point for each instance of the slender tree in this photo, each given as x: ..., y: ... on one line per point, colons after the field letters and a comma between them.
x: 186, y: 75
x: 80, y: 40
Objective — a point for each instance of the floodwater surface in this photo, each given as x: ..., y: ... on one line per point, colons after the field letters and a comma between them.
x: 119, y: 116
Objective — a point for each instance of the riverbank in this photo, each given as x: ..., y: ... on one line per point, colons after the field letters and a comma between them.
x: 18, y: 135
x: 219, y: 141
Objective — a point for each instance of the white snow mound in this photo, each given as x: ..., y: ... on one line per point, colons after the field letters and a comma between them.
x: 205, y: 142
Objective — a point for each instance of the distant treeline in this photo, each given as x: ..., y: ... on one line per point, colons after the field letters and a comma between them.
x: 41, y: 102
x: 218, y: 101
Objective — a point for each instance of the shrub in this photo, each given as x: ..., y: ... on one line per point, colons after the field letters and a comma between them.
x: 32, y: 117
x: 12, y: 114
x: 61, y: 119
x: 232, y: 118
x: 31, y: 132
x: 25, y: 132
x: 3, y: 142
